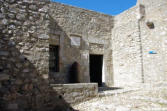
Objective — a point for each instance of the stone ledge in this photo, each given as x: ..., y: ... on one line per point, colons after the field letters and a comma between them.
x: 78, y: 92
x: 74, y: 85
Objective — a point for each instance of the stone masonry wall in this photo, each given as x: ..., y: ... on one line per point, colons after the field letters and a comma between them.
x: 27, y: 28
x: 133, y: 40
x: 94, y: 31
x: 24, y: 58
x: 152, y: 4
x: 154, y: 65
x: 26, y: 25
x: 75, y: 93
x: 126, y: 49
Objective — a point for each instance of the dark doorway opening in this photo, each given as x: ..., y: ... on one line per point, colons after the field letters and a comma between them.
x: 54, y: 58
x: 74, y: 73
x: 95, y: 68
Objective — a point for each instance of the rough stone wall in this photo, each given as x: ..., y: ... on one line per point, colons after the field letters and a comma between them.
x: 154, y: 65
x: 24, y: 24
x: 126, y: 49
x: 27, y: 28
x: 152, y: 4
x: 24, y: 58
x: 132, y: 41
x: 94, y: 30
x: 129, y: 44
x: 55, y: 23
x: 75, y: 93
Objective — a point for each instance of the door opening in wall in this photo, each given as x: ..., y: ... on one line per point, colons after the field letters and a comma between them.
x: 95, y: 68
x: 53, y: 58
x: 74, y: 73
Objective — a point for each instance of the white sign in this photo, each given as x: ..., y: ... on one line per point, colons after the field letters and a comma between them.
x: 75, y: 41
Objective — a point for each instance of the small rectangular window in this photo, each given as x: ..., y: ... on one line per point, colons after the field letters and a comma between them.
x: 53, y: 58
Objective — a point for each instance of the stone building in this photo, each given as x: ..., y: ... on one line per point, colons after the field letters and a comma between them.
x: 121, y: 50
x: 114, y: 50
x: 60, y: 43
x: 139, y: 44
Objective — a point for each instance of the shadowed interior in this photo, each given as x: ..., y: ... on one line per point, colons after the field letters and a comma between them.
x: 96, y: 63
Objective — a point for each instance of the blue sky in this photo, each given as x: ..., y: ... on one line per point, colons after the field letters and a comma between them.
x: 111, y: 7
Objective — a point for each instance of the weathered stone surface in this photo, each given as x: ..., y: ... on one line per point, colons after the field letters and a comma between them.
x: 26, y: 70
x: 11, y: 1
x: 75, y: 93
x: 1, y: 16
x: 5, y: 21
x: 145, y: 97
x: 11, y: 43
x: 21, y: 17
x: 4, y: 77
x: 84, y: 27
x: 132, y: 40
x: 121, y: 108
x: 33, y: 7
x: 4, y: 53
x: 12, y: 106
x: 22, y: 86
x: 124, y: 41
x: 43, y: 36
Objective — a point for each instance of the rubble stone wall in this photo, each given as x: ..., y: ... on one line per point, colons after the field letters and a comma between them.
x: 75, y: 93
x: 154, y: 65
x: 126, y: 49
x: 139, y: 51
x: 27, y: 27
x: 33, y: 26
x: 94, y: 31
x: 24, y: 48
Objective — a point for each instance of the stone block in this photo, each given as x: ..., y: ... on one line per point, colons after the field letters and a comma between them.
x: 11, y: 1
x: 26, y: 70
x: 1, y: 16
x: 4, y: 77
x: 76, y: 94
x: 43, y: 36
x: 33, y: 7
x: 4, y: 53
x: 12, y: 16
x: 5, y: 21
x: 21, y: 17
x: 12, y: 106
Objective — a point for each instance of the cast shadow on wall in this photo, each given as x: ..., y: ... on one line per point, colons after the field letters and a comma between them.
x: 21, y: 86
x: 72, y: 70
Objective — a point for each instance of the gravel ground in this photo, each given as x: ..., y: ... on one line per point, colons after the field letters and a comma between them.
x: 152, y: 98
